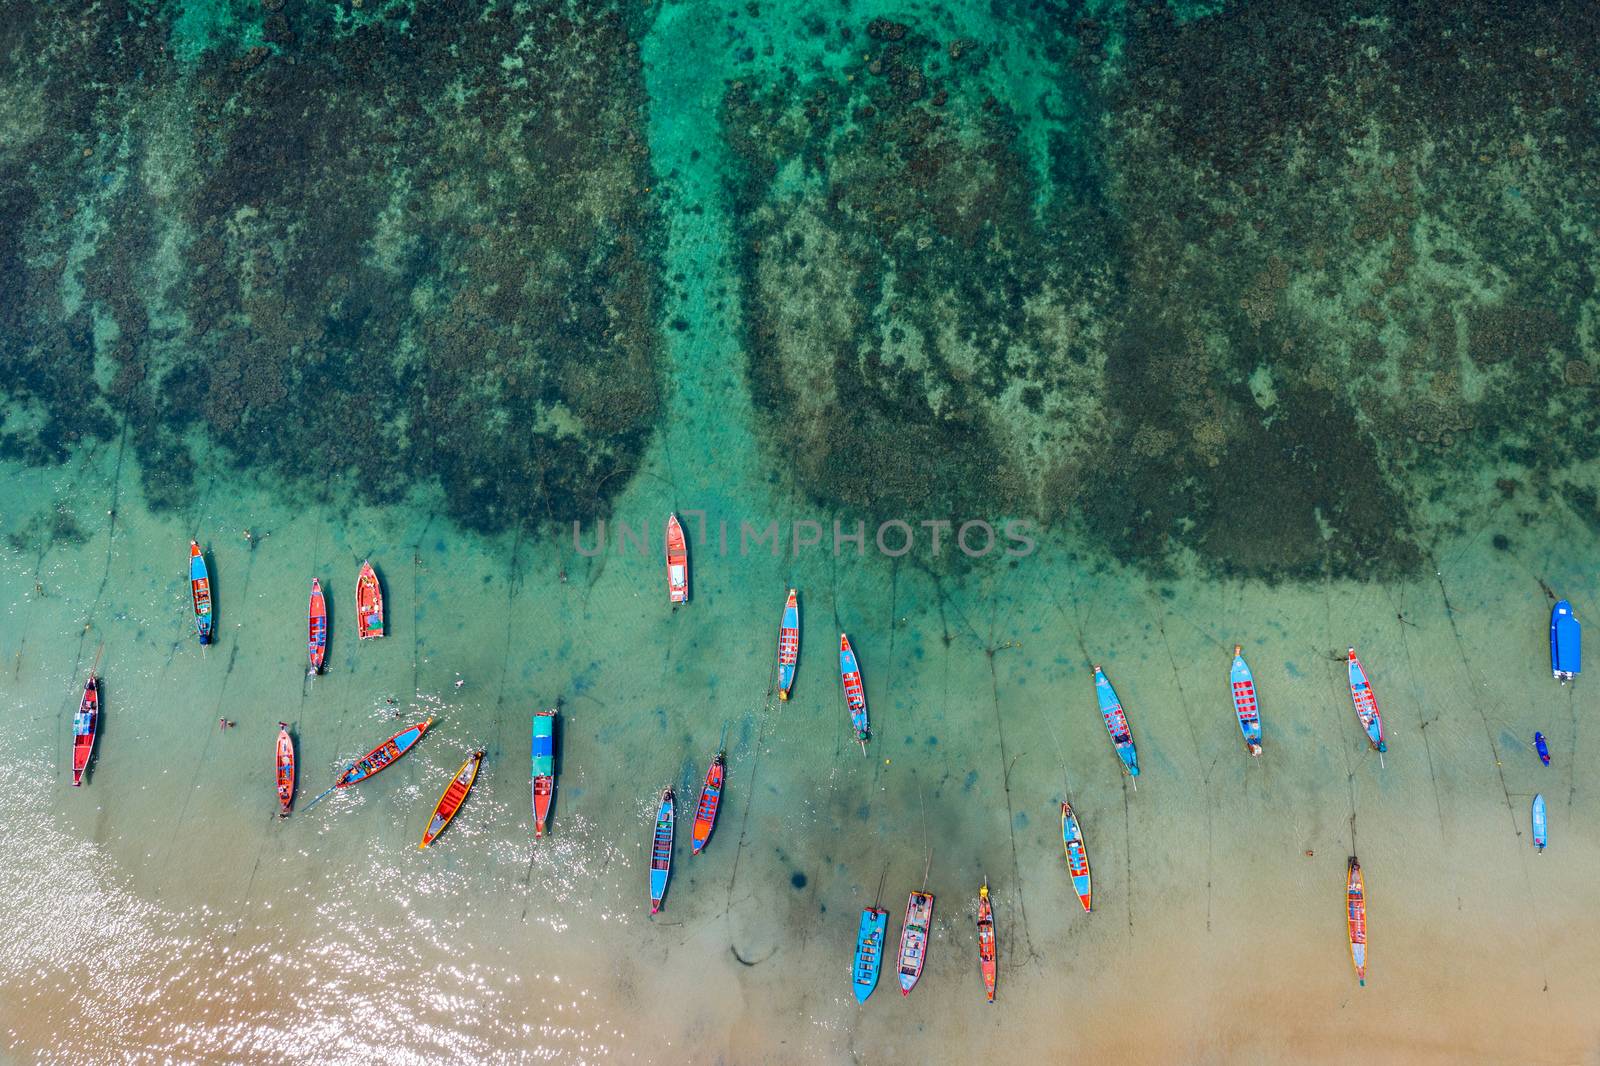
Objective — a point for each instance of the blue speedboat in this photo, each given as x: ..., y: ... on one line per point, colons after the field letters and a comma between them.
x: 1542, y: 748
x: 869, y: 951
x: 1564, y: 648
x: 1540, y: 831
x: 1116, y: 722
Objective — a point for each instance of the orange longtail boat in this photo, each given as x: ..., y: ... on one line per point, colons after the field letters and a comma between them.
x: 285, y: 770
x: 677, y: 562
x: 454, y: 796
x: 369, y: 603
x: 987, y: 961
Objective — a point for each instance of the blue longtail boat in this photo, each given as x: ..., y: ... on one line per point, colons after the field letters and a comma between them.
x: 869, y: 951
x: 1540, y: 834
x: 200, y: 592
x: 855, y: 695
x: 544, y: 768
x: 788, y: 645
x: 1244, y: 701
x: 1366, y: 704
x: 661, y: 851
x: 383, y: 756
x: 1564, y: 642
x: 1116, y: 722
x: 1077, y: 855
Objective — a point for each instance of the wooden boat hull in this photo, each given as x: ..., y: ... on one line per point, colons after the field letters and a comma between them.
x: 285, y: 770
x: 855, y: 694
x: 1116, y: 722
x: 317, y: 628
x: 544, y: 768
x: 85, y: 726
x: 200, y: 592
x: 988, y: 949
x: 788, y: 645
x: 869, y: 951
x: 914, y: 940
x: 455, y: 794
x: 369, y: 604
x: 1366, y: 704
x: 1566, y: 659
x: 1244, y: 701
x: 1541, y: 829
x: 677, y: 562
x: 661, y: 851
x: 383, y: 756
x: 705, y: 815
x: 1356, y: 909
x: 1077, y: 856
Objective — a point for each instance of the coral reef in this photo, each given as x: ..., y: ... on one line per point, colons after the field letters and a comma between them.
x: 393, y: 247
x: 1293, y: 274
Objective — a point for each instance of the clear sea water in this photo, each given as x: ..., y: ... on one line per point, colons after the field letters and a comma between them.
x: 163, y: 913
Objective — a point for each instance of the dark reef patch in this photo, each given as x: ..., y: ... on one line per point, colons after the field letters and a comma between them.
x: 359, y: 253
x: 1265, y: 288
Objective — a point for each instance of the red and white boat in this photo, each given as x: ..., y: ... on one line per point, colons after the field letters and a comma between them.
x: 84, y: 726
x: 677, y: 562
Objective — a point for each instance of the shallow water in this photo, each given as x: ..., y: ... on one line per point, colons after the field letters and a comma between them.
x: 163, y: 913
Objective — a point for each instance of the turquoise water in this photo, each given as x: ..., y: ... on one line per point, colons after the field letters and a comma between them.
x: 1299, y: 376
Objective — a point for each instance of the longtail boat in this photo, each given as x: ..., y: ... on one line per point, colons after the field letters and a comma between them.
x: 1244, y: 701
x: 1366, y: 704
x: 869, y: 951
x: 455, y: 794
x: 1077, y: 855
x: 855, y: 696
x: 1116, y: 722
x: 285, y: 762
x: 677, y: 562
x: 788, y: 645
x: 987, y: 953
x: 914, y: 939
x: 544, y: 768
x: 661, y: 851
x: 200, y: 592
x: 705, y: 814
x: 85, y: 724
x: 1565, y: 643
x: 1542, y: 748
x: 369, y: 603
x: 1356, y: 905
x: 317, y: 627
x: 1541, y: 836
x: 383, y: 756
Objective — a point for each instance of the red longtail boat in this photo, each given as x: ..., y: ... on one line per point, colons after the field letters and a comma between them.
x: 987, y: 949
x: 1355, y: 898
x: 677, y: 562
x: 369, y: 603
x: 317, y: 625
x: 285, y: 770
x: 455, y: 794
x: 705, y: 815
x: 85, y: 724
